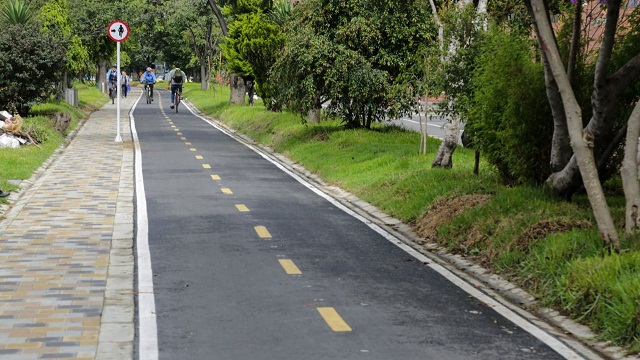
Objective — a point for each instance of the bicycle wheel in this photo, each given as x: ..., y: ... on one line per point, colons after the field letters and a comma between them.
x: 176, y: 100
x: 147, y: 93
x: 112, y: 95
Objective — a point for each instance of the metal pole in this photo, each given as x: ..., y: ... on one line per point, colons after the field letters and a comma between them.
x: 118, y: 95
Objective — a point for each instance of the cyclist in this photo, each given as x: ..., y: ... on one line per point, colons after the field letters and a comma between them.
x: 175, y: 79
x: 149, y: 78
x: 112, y: 78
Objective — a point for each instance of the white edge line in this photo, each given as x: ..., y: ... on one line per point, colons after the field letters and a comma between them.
x: 508, y: 314
x: 147, y: 325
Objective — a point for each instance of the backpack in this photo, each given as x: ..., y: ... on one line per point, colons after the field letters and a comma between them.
x: 177, y: 77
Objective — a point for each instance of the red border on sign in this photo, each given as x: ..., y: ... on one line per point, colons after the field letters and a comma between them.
x: 125, y: 25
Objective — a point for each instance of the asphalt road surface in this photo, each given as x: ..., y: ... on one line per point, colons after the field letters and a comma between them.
x: 436, y: 124
x: 248, y: 263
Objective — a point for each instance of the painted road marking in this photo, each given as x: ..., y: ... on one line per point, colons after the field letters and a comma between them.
x: 206, y: 166
x: 289, y: 267
x: 199, y: 157
x: 173, y: 126
x: 193, y: 149
x: 333, y: 319
x: 215, y: 177
x: 187, y: 143
x: 262, y: 232
x: 179, y: 133
x: 184, y: 138
x: 175, y: 129
x: 226, y: 191
x: 242, y: 208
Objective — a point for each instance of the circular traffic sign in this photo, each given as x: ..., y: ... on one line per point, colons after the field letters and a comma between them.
x: 118, y: 30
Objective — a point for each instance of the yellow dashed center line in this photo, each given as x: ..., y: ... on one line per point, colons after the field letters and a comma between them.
x: 226, y: 191
x: 289, y: 267
x: 215, y: 177
x: 242, y: 208
x: 262, y: 232
x: 199, y: 157
x: 333, y: 319
x: 206, y: 166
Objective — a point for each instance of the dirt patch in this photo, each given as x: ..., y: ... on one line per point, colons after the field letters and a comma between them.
x: 443, y: 210
x: 542, y: 228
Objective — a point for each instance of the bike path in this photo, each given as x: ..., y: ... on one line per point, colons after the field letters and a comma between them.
x: 249, y: 263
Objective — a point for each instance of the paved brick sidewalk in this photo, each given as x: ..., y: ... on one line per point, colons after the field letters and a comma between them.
x: 66, y: 258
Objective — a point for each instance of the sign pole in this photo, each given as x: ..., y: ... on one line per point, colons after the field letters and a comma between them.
x: 118, y: 94
x: 118, y: 31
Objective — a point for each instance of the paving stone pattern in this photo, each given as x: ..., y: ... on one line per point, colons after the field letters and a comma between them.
x: 60, y: 268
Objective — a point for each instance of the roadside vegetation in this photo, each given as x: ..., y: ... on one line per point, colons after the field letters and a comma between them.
x: 547, y: 245
x: 19, y: 164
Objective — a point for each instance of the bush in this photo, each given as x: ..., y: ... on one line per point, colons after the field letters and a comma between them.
x: 31, y: 63
x: 510, y: 119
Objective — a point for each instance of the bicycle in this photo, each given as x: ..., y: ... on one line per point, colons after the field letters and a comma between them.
x: 147, y: 93
x: 176, y: 98
x: 113, y: 92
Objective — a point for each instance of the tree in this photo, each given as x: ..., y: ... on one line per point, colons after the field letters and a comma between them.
x: 56, y: 22
x: 193, y: 25
x: 251, y: 49
x: 362, y: 58
x: 30, y: 57
x: 605, y: 111
x: 584, y: 139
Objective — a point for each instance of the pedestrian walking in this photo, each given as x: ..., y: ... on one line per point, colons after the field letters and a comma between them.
x: 124, y: 82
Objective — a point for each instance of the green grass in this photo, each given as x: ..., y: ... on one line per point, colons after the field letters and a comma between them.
x: 19, y: 164
x: 548, y: 246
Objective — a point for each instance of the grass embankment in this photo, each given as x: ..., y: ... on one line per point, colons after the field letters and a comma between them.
x: 20, y: 163
x: 548, y: 246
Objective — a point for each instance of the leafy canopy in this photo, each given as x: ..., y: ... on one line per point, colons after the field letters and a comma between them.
x: 365, y: 56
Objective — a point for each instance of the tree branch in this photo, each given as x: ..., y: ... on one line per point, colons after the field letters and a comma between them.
x: 608, y: 39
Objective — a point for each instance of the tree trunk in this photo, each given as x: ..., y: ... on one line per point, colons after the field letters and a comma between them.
x: 629, y: 174
x: 101, y: 76
x: 238, y: 90
x: 204, y: 76
x: 313, y: 116
x: 560, y: 144
x: 581, y: 141
x: 444, y: 156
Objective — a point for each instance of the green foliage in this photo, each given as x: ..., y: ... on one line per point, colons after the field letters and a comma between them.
x: 452, y: 66
x: 280, y: 13
x: 16, y: 12
x: 251, y: 48
x: 363, y: 56
x: 54, y: 15
x: 34, y: 61
x: 509, y: 115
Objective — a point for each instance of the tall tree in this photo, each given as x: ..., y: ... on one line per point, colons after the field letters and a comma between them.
x: 363, y: 56
x: 615, y: 74
x: 605, y: 101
